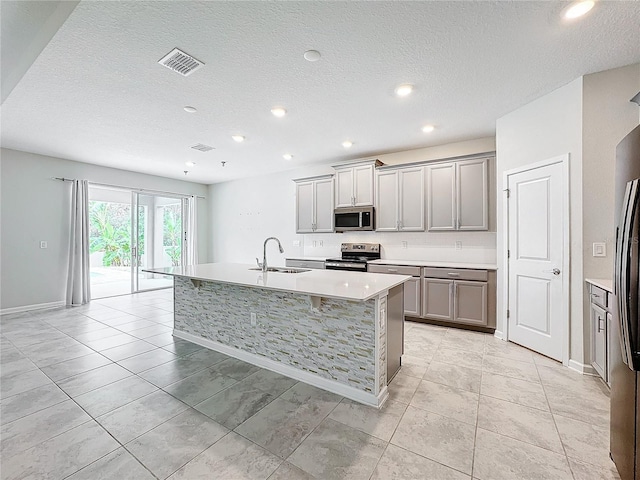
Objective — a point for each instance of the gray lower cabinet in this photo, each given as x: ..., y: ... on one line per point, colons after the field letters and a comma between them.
x: 437, y: 299
x: 314, y: 264
x: 470, y: 302
x: 412, y: 295
x: 463, y: 296
x: 599, y: 340
x: 600, y: 319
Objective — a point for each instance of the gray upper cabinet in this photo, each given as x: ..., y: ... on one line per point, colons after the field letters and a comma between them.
x: 400, y: 200
x: 314, y: 205
x: 354, y: 184
x: 387, y: 201
x: 458, y: 195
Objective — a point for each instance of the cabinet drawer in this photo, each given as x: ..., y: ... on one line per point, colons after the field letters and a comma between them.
x: 395, y: 269
x: 305, y: 264
x: 455, y: 273
x: 599, y: 296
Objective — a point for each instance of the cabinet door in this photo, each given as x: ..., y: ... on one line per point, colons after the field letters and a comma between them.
x: 304, y: 207
x: 411, y: 185
x: 387, y: 201
x: 363, y: 185
x: 472, y: 195
x: 470, y: 302
x: 598, y: 340
x: 608, y: 356
x: 344, y: 187
x: 437, y: 299
x: 441, y: 193
x: 412, y: 297
x: 323, y: 205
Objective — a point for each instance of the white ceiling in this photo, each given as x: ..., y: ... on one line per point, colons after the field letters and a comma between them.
x: 96, y: 93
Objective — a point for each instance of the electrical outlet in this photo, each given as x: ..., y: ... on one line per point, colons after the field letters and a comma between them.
x: 315, y: 243
x: 43, y: 244
x: 599, y: 249
x: 321, y: 243
x: 458, y: 245
x: 254, y: 319
x: 404, y: 244
x: 296, y: 243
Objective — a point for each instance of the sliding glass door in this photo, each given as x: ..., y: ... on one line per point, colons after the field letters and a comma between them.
x: 132, y: 231
x: 157, y: 239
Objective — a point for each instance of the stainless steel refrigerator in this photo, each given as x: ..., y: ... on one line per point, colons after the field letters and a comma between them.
x: 625, y: 340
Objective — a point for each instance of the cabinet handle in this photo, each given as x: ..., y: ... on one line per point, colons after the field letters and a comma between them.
x: 392, y: 270
x: 600, y: 324
x: 452, y: 274
x: 455, y: 290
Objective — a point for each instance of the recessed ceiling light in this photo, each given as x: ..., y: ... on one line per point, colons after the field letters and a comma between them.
x: 404, y: 89
x: 190, y: 109
x: 428, y: 128
x: 238, y: 138
x: 190, y: 164
x: 278, y: 111
x: 312, y: 55
x: 287, y: 156
x: 578, y: 9
x: 347, y: 144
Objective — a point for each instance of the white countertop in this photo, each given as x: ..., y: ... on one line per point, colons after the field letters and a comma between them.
x: 359, y: 286
x: 604, y: 283
x: 429, y: 263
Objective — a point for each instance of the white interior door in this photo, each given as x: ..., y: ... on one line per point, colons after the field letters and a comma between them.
x: 536, y: 259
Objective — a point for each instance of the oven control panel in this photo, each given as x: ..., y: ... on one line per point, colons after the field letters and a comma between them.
x: 360, y: 247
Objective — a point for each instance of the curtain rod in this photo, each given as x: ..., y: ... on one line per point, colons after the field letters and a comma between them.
x: 142, y: 190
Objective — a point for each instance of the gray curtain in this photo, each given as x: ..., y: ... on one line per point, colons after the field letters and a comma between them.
x: 78, y: 280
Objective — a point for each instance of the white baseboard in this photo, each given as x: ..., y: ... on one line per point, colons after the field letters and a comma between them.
x: 28, y: 308
x: 301, y: 375
x: 582, y: 368
x: 499, y: 335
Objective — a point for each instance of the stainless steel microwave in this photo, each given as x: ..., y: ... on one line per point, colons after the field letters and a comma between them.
x: 349, y: 219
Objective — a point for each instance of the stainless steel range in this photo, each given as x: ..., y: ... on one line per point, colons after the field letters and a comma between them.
x: 354, y: 257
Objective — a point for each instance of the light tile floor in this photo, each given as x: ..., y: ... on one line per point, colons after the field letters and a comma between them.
x: 104, y: 392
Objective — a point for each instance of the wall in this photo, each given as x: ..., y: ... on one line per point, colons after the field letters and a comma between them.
x: 545, y: 128
x: 607, y: 116
x: 34, y: 207
x: 245, y: 212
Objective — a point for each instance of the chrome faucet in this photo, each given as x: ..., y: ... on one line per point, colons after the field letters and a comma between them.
x: 263, y: 265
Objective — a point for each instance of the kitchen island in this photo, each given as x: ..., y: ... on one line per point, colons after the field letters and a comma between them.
x: 340, y: 331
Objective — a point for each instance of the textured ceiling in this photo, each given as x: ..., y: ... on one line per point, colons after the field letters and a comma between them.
x: 96, y: 93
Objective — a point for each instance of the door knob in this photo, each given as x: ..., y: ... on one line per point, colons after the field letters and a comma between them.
x: 555, y: 271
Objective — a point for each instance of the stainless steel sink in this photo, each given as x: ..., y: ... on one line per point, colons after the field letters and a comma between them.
x: 283, y: 269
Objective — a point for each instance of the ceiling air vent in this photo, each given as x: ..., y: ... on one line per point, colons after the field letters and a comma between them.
x: 202, y: 147
x: 180, y: 62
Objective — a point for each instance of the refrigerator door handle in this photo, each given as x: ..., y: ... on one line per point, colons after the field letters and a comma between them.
x: 624, y: 252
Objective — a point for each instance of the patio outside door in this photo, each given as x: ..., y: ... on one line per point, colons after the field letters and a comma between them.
x: 157, y: 239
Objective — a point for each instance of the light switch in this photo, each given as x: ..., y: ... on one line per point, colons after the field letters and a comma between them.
x: 599, y: 249
x: 43, y: 244
x: 458, y: 245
